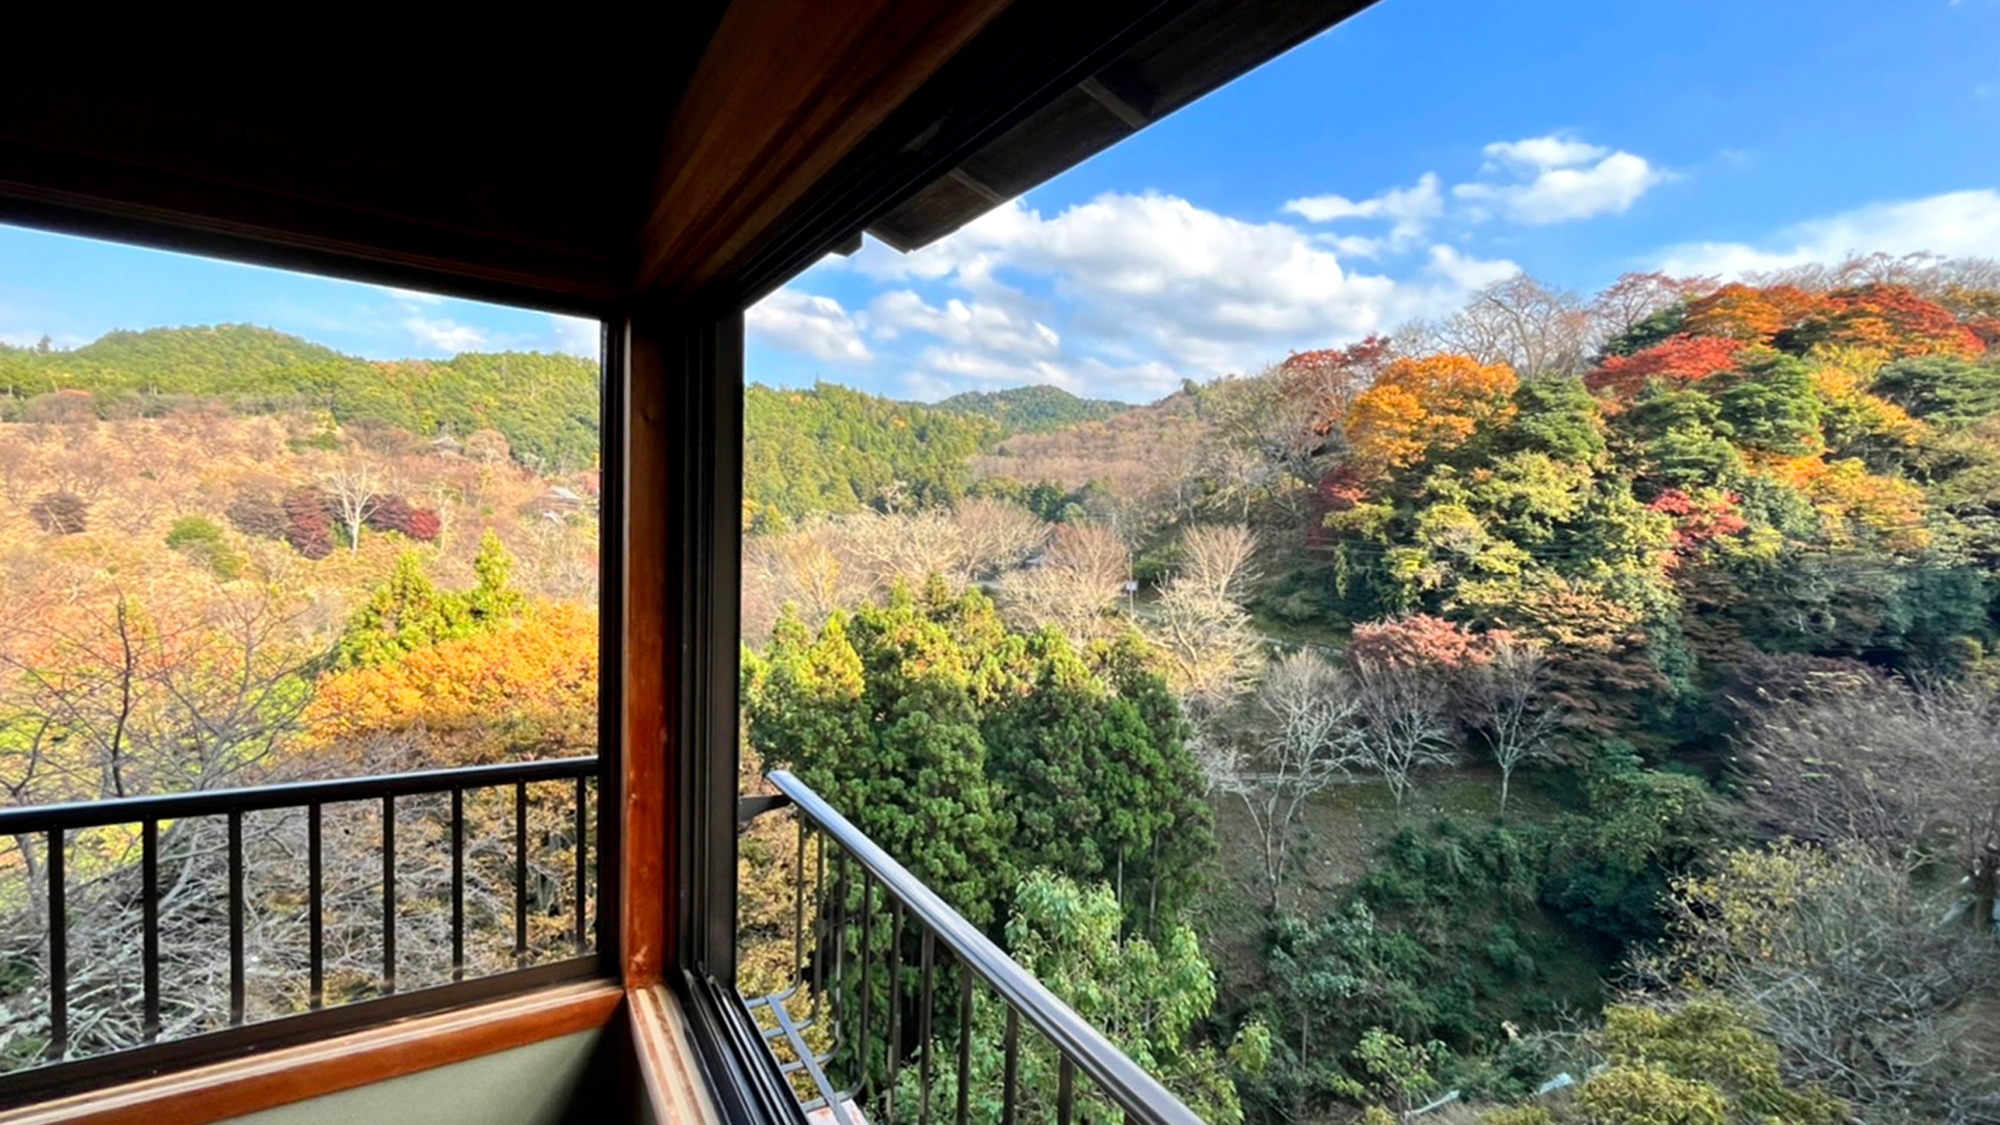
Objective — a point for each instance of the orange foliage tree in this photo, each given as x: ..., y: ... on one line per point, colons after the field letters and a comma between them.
x: 1750, y: 314
x: 1421, y: 406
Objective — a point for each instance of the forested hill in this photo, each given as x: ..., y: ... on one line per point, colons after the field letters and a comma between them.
x: 1032, y: 410
x: 546, y: 405
x: 832, y: 449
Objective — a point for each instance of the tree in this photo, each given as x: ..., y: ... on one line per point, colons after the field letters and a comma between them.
x: 408, y: 612
x: 356, y: 493
x: 258, y: 515
x: 1838, y: 958
x: 310, y: 529
x: 1418, y: 407
x: 1681, y: 358
x: 1903, y: 770
x: 1405, y: 723
x: 1149, y: 997
x: 1307, y: 714
x: 1517, y: 323
x: 1209, y: 651
x: 1506, y: 699
x: 878, y: 713
x: 1081, y: 574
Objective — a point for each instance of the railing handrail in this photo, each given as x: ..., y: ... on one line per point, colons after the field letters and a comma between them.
x: 28, y: 819
x: 1135, y: 1091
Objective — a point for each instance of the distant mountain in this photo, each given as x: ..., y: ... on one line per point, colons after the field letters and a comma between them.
x: 545, y: 404
x: 1032, y: 410
x: 835, y: 449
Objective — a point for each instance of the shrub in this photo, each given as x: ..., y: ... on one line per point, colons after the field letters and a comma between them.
x: 1644, y: 1094
x: 59, y: 513
x: 201, y: 540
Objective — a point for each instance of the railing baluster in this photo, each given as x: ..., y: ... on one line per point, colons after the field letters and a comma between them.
x: 867, y: 976
x: 1065, y: 1091
x: 1010, y: 1079
x: 58, y: 947
x: 964, y: 1043
x: 458, y: 884
x: 149, y: 950
x: 582, y: 871
x: 520, y: 871
x: 839, y: 997
x: 236, y: 989
x: 924, y: 1028
x: 895, y: 1059
x: 316, y: 907
x: 388, y: 894
x: 819, y: 928
x: 799, y: 903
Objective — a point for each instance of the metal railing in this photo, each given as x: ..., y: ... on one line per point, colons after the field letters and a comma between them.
x: 847, y: 1043
x: 61, y: 849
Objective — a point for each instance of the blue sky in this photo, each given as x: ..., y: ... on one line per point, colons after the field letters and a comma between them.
x: 1375, y: 174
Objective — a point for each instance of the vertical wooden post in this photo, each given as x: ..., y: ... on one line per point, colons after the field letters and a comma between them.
x: 682, y: 392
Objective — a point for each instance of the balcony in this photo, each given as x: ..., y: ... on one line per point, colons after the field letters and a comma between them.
x: 477, y: 911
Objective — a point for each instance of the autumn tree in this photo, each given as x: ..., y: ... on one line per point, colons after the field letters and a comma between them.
x: 1420, y: 406
x: 1507, y: 702
x: 59, y: 513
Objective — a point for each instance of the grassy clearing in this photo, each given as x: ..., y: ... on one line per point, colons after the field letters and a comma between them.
x: 1343, y: 828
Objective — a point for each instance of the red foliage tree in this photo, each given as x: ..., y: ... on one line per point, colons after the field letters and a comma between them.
x: 1683, y: 359
x: 1699, y: 522
x: 1422, y: 641
x: 311, y: 529
x: 391, y: 513
x: 424, y: 526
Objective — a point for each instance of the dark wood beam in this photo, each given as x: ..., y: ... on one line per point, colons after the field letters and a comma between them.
x: 786, y: 89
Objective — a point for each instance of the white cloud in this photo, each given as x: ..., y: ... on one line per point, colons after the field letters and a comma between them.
x: 990, y: 327
x: 1411, y: 210
x: 576, y: 335
x: 1960, y: 223
x: 1567, y: 180
x: 444, y: 335
x: 1539, y: 153
x: 809, y: 325
x: 1152, y: 289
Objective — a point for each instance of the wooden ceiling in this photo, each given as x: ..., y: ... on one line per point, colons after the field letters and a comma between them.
x: 707, y: 152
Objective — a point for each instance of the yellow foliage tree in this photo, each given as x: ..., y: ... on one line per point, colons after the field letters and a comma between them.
x: 527, y: 690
